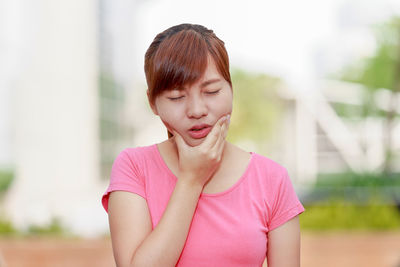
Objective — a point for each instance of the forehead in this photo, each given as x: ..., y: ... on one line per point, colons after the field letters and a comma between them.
x: 210, y: 75
x: 211, y: 72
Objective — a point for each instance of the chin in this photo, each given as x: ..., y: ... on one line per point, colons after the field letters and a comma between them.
x: 194, y: 142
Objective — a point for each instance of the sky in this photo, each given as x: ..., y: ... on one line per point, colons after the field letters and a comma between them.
x: 290, y: 39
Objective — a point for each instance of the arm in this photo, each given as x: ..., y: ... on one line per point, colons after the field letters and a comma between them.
x: 131, y: 231
x: 284, y: 245
x: 134, y: 242
x: 124, y: 237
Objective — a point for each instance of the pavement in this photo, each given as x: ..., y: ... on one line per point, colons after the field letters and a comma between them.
x: 318, y: 249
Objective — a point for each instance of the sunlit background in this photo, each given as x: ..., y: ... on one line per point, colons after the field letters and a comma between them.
x: 316, y: 88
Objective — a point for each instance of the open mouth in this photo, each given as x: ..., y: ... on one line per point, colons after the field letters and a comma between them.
x: 199, y: 129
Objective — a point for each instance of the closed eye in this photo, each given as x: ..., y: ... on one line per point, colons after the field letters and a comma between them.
x: 175, y: 98
x: 213, y: 92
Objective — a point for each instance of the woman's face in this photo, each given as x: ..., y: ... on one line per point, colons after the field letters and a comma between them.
x: 193, y: 110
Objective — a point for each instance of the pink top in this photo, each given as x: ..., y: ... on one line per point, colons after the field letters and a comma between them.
x: 228, y: 228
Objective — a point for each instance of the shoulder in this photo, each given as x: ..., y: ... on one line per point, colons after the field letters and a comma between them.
x: 261, y: 168
x: 268, y: 165
x: 268, y: 174
x: 132, y: 158
x: 139, y: 152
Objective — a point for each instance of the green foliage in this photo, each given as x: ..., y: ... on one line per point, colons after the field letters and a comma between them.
x: 362, y: 201
x: 6, y: 178
x: 351, y: 179
x: 109, y: 88
x: 358, y: 188
x: 256, y: 106
x: 54, y: 228
x: 6, y: 228
x: 347, y: 111
x: 379, y: 70
x: 357, y: 112
x: 341, y: 215
x: 111, y: 97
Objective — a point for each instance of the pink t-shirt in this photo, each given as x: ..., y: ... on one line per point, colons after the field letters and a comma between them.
x: 228, y: 228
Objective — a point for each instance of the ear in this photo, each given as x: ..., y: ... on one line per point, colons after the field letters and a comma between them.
x: 152, y: 105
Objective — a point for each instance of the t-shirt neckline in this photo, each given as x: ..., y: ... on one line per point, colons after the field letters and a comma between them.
x: 235, y: 185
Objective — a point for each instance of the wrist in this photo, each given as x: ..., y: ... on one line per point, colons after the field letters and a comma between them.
x: 190, y: 183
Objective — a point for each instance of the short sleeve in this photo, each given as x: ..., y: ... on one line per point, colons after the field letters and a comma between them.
x: 125, y: 176
x: 286, y: 204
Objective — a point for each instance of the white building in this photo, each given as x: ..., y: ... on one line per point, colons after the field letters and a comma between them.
x: 54, y: 114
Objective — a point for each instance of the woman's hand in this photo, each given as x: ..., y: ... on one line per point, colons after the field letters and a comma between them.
x: 197, y: 164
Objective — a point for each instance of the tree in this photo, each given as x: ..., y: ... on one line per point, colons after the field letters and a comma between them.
x: 381, y: 71
x: 257, y: 108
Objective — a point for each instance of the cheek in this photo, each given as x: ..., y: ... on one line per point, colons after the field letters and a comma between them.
x: 229, y: 108
x: 167, y: 120
x: 169, y: 126
x: 224, y: 105
x: 224, y: 110
x: 170, y: 120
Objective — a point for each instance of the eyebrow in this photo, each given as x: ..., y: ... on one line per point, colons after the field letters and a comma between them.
x: 204, y: 84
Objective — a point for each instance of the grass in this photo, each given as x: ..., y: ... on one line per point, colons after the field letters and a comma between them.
x: 53, y: 229
x: 7, y: 229
x: 339, y: 214
x: 350, y: 201
x: 350, y: 179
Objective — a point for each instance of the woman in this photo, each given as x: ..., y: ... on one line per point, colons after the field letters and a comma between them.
x: 195, y: 199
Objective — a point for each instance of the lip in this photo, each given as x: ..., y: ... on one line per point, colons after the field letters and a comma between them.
x: 200, y: 131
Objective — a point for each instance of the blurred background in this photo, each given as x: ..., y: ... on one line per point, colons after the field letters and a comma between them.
x: 316, y: 88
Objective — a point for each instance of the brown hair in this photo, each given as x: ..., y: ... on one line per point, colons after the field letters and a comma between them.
x: 178, y: 56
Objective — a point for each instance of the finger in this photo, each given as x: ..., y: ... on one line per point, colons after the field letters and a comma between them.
x: 221, y: 141
x: 181, y: 144
x: 212, y: 137
x: 220, y: 149
x: 227, y: 122
x: 224, y: 130
x: 219, y: 145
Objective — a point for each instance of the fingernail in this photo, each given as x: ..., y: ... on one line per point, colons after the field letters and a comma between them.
x: 229, y: 118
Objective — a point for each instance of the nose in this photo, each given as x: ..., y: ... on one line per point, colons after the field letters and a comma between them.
x: 196, y: 107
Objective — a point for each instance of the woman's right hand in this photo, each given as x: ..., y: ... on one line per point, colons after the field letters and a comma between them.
x: 197, y: 164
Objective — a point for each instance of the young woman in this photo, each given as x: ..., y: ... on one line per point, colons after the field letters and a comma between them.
x: 196, y: 199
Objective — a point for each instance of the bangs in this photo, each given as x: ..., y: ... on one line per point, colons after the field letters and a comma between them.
x: 180, y: 60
